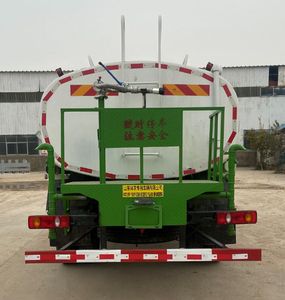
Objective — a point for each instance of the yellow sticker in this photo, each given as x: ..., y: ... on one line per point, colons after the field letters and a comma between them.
x: 142, y: 190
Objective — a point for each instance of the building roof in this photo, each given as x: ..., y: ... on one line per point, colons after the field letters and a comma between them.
x: 253, y: 66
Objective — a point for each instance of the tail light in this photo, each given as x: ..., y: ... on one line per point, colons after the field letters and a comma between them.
x: 237, y: 217
x: 46, y: 222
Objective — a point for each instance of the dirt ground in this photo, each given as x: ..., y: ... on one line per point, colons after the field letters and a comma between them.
x: 24, y: 194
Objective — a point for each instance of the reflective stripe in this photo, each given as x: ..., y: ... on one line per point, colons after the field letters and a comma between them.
x: 186, y: 90
x: 66, y: 79
x: 227, y: 91
x: 240, y: 256
x: 142, y: 255
x: 62, y: 256
x: 150, y: 256
x: 32, y: 258
x: 47, y: 96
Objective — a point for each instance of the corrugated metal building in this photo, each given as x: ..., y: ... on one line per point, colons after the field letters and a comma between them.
x: 20, y: 94
x: 261, y: 91
x: 247, y: 76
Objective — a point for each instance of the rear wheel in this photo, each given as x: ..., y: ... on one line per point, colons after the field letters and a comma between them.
x: 202, y: 230
x: 70, y: 238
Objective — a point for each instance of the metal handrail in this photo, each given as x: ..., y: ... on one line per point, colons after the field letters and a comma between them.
x: 212, y: 175
x: 215, y: 162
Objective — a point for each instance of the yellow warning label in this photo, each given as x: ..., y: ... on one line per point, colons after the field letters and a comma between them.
x: 142, y: 190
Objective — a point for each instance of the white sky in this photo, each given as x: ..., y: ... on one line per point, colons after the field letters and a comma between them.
x: 46, y: 34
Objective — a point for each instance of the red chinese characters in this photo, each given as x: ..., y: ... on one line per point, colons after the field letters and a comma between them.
x: 145, y: 130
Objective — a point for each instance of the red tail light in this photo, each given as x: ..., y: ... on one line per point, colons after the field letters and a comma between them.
x: 41, y: 222
x: 237, y: 217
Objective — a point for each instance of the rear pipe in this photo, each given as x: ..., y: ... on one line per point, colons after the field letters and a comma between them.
x: 51, y: 183
x: 51, y: 176
x: 232, y: 164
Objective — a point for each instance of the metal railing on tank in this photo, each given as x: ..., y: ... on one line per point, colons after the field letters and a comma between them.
x: 216, y: 146
x: 108, y: 136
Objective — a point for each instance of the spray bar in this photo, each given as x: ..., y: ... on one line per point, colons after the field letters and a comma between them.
x: 106, y: 87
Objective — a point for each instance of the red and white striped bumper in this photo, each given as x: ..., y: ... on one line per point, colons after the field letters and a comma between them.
x: 142, y: 255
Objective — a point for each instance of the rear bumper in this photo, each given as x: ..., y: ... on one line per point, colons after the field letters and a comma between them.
x: 142, y: 255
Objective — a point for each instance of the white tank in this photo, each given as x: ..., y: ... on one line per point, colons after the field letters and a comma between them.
x: 192, y: 87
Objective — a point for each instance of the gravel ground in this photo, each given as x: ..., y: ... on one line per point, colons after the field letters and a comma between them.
x: 24, y: 194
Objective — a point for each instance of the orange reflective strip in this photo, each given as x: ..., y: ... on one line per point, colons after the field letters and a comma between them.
x: 186, y: 90
x: 82, y: 90
x: 198, y: 91
x: 173, y: 89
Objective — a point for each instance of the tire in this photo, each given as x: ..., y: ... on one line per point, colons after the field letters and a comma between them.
x: 221, y: 233
x: 63, y: 236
